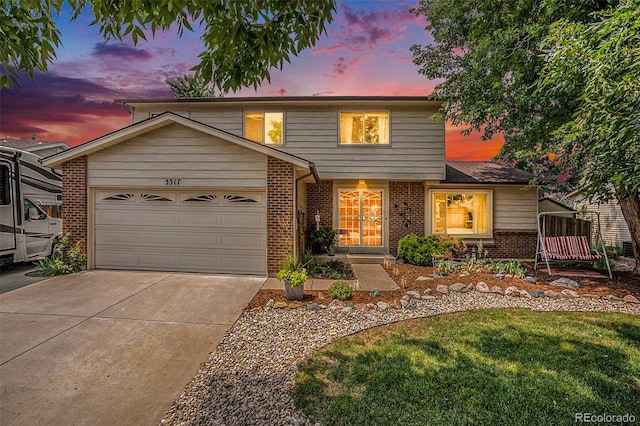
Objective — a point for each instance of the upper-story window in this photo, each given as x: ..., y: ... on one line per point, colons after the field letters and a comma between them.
x: 264, y: 127
x: 364, y: 127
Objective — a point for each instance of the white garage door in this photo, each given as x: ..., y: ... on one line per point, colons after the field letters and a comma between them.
x: 215, y: 231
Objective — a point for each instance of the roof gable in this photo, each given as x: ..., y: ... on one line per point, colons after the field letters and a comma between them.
x: 158, y: 122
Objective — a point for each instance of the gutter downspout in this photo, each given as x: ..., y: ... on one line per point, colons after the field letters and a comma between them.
x: 312, y: 172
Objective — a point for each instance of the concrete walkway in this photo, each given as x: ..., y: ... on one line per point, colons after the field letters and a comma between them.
x: 110, y: 347
x: 369, y: 277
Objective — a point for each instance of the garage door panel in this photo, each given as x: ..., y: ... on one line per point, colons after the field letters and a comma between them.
x: 204, y: 231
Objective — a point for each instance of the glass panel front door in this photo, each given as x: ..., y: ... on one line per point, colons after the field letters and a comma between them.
x: 360, y: 218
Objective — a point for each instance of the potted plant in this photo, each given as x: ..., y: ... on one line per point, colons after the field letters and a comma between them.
x: 293, y: 275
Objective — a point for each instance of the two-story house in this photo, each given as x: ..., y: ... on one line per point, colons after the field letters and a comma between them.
x: 230, y: 185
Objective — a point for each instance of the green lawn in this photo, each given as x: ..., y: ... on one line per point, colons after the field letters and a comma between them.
x: 488, y: 367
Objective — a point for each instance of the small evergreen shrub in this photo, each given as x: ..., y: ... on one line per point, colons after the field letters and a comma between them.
x: 340, y: 290
x: 420, y: 250
x: 321, y: 239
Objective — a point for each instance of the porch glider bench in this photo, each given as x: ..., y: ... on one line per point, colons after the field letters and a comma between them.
x: 572, y: 248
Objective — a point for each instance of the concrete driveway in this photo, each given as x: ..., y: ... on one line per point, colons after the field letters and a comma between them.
x: 110, y: 347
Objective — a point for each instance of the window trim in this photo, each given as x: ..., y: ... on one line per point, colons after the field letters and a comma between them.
x: 364, y: 111
x: 263, y: 112
x: 449, y: 191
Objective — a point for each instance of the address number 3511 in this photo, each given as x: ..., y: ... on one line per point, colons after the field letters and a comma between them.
x: 172, y: 182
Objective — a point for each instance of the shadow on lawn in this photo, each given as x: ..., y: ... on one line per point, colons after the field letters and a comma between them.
x: 484, y: 367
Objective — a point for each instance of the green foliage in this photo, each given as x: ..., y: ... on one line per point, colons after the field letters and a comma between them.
x: 539, y: 367
x: 242, y: 40
x: 65, y: 259
x: 335, y: 270
x: 275, y: 134
x: 513, y: 267
x: 192, y: 86
x: 320, y: 239
x: 340, y: 290
x: 293, y: 271
x: 420, y: 250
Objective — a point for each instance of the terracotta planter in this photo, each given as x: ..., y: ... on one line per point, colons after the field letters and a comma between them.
x: 293, y: 293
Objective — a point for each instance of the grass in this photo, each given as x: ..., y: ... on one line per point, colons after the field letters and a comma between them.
x: 482, y: 367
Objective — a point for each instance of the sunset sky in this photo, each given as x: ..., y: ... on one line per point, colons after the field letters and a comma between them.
x: 365, y: 52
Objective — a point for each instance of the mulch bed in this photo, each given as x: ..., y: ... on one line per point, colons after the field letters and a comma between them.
x: 622, y: 284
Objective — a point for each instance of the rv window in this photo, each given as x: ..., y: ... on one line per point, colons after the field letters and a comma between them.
x: 5, y: 186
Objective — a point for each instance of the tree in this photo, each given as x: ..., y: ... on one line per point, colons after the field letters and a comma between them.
x: 192, y: 86
x: 243, y: 39
x: 599, y: 62
x: 490, y: 57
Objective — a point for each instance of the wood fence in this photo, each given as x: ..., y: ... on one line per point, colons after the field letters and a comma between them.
x: 558, y: 226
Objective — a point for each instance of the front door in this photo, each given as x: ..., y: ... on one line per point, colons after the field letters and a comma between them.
x: 360, y: 218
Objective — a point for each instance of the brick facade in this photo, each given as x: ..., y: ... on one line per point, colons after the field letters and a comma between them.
x: 74, y: 199
x: 280, y: 220
x: 512, y: 244
x: 406, y: 211
x: 320, y: 199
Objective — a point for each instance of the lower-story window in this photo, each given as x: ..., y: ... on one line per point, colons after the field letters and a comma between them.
x: 463, y: 213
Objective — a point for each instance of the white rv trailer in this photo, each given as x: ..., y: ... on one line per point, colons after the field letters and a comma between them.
x: 28, y: 233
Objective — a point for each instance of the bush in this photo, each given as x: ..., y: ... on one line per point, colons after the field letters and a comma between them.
x: 340, y: 290
x: 420, y: 250
x: 66, y: 259
x: 321, y: 239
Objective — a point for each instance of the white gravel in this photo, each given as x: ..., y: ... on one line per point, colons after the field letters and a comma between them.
x: 249, y: 379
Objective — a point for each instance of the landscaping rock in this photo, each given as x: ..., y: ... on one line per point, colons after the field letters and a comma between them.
x: 413, y: 304
x: 508, y: 276
x: 428, y: 291
x: 422, y: 278
x: 413, y: 293
x: 280, y: 305
x: 630, y: 299
x: 530, y: 280
x: 270, y: 303
x: 591, y: 296
x: 371, y: 306
x: 497, y: 290
x: 458, y: 288
x: 565, y: 282
x: 512, y: 291
x: 313, y: 307
x: 428, y: 297
x: 383, y: 305
x: 569, y: 294
x: 500, y: 276
x: 294, y: 305
x: 525, y: 294
x: 538, y: 294
x: 441, y: 288
x: 464, y: 274
x: 396, y: 304
x: 406, y: 298
x: 482, y: 287
x: 612, y: 298
x: 336, y: 304
x: 374, y: 293
x: 551, y: 293
x: 347, y: 309
x: 470, y: 287
x: 437, y: 275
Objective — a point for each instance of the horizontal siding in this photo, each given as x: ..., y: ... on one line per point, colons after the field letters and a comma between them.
x: 175, y: 152
x: 417, y: 143
x: 612, y: 223
x: 514, y: 208
x: 417, y: 146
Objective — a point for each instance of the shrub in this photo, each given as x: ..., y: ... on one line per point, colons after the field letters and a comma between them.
x: 420, y: 250
x: 66, y: 259
x: 320, y: 239
x: 340, y: 290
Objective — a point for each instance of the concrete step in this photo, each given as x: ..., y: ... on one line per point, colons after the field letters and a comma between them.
x: 368, y: 259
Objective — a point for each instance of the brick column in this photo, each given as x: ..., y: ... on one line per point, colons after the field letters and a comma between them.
x: 402, y: 221
x: 74, y: 199
x: 280, y: 219
x: 320, y: 199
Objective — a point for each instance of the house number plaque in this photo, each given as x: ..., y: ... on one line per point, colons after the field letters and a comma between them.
x: 172, y: 182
